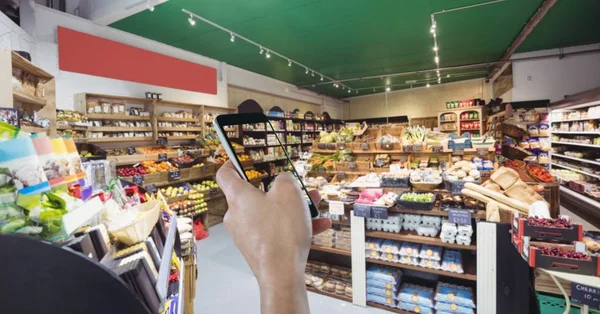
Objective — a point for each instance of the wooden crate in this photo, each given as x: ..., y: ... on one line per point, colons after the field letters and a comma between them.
x: 544, y: 283
x: 371, y: 132
x: 217, y: 205
x: 363, y: 166
x: 393, y: 131
x: 212, y: 220
x: 201, y: 172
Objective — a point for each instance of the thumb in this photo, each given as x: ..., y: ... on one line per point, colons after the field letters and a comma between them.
x: 320, y: 225
x: 230, y: 181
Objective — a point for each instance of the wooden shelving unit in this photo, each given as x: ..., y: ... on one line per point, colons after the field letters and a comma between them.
x: 454, y: 118
x: 100, y: 116
x: 330, y: 250
x: 469, y: 269
x: 44, y: 107
x: 118, y: 139
x: 413, y: 237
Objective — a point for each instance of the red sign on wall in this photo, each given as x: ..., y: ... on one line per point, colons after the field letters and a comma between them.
x: 83, y: 53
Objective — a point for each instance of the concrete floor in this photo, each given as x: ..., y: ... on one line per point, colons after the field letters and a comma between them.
x: 226, y: 284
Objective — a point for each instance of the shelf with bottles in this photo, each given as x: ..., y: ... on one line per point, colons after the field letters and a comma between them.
x: 462, y: 104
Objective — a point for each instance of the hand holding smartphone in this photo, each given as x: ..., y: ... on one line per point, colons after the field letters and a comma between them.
x: 236, y: 120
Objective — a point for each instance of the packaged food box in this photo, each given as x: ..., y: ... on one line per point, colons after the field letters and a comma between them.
x: 556, y: 230
x: 568, y: 261
x: 460, y: 295
x: 411, y: 307
x: 415, y: 294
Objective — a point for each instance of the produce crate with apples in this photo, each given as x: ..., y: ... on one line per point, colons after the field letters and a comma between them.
x: 543, y: 229
x: 203, y: 169
x: 559, y: 257
x: 186, y: 160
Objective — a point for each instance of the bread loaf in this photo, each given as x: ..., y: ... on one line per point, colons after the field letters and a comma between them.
x: 522, y: 192
x: 490, y: 185
x: 505, y: 177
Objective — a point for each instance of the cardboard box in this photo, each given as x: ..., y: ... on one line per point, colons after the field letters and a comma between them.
x: 522, y: 229
x: 535, y: 259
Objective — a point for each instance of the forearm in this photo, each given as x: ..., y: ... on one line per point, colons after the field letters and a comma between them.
x: 282, y: 295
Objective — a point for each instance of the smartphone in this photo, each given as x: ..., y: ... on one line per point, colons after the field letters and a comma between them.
x: 222, y: 122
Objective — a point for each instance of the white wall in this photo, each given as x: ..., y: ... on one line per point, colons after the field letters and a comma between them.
x: 553, y: 78
x: 14, y: 38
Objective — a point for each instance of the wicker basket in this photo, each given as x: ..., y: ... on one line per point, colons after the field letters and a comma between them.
x: 512, y: 130
x: 421, y: 186
x: 514, y: 153
x: 141, y: 227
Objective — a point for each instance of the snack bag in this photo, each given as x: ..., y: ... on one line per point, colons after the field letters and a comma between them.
x: 21, y: 159
x: 64, y: 166
x: 48, y: 160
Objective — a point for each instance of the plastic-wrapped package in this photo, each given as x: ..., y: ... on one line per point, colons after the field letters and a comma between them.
x: 429, y: 263
x: 382, y: 291
x: 374, y: 224
x: 432, y: 252
x: 411, y: 307
x: 463, y: 240
x: 460, y: 295
x: 449, y: 229
x: 395, y: 219
x: 389, y: 301
x: 395, y: 226
x: 452, y: 308
x: 412, y: 218
x: 452, y: 261
x: 465, y: 230
x: 407, y: 225
x: 427, y: 231
x: 390, y: 246
x: 390, y: 257
x: 431, y: 221
x: 409, y: 249
x: 372, y: 254
x: 419, y: 295
x: 384, y: 274
x: 447, y: 238
x: 373, y: 244
x: 409, y: 260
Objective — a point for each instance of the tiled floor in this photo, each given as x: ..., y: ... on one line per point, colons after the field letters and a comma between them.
x: 226, y: 284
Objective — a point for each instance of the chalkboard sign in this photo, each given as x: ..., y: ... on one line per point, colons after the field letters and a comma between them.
x: 482, y: 151
x: 437, y: 148
x: 387, y: 146
x: 459, y: 216
x: 174, y: 175
x: 458, y: 151
x: 138, y: 180
x: 331, y: 146
x: 162, y: 157
x: 131, y: 150
x: 321, y: 145
x: 364, y: 146
x: 379, y: 212
x: 151, y: 188
x: 407, y: 148
x: 351, y: 164
x: 417, y: 148
x: 212, y: 191
x: 585, y: 295
x: 341, y: 146
x: 162, y: 141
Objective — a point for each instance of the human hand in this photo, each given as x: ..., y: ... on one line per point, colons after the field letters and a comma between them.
x: 273, y: 232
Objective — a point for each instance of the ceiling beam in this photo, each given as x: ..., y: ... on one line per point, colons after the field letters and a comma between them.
x: 527, y: 29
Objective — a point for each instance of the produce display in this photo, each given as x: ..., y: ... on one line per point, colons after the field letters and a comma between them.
x: 205, y: 185
x: 557, y: 251
x: 426, y: 176
x: 414, y: 135
x: 253, y: 174
x: 189, y: 207
x: 540, y: 173
x: 463, y: 171
x: 418, y: 197
x: 174, y: 191
x: 549, y: 223
x: 388, y: 139
x: 154, y: 167
x: 154, y: 150
x: 132, y: 171
x: 376, y: 197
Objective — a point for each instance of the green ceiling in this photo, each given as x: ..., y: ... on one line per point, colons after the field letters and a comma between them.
x: 358, y: 38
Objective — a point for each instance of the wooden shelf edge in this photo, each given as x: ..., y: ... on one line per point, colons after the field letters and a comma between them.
x: 387, y: 308
x: 413, y: 237
x: 330, y: 250
x: 23, y: 97
x: 119, y: 139
x: 330, y: 294
x: 465, y: 276
x: 29, y: 67
x: 100, y: 116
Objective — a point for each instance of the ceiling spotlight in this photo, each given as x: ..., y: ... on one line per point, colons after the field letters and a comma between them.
x: 448, y: 75
x: 232, y: 37
x: 261, y: 50
x: 435, y: 48
x: 268, y: 55
x: 321, y: 77
x: 439, y: 80
x: 427, y: 85
x: 349, y: 91
x: 150, y: 8
x: 387, y: 88
x: 312, y: 74
x: 356, y: 91
x: 436, y: 59
x: 191, y: 20
x: 432, y: 30
x: 289, y: 62
x: 306, y: 72
x: 434, y: 36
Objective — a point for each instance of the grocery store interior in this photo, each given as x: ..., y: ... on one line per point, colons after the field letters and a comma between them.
x: 455, y: 146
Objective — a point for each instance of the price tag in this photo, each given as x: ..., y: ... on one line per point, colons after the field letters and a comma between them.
x: 336, y: 208
x: 364, y: 146
x: 417, y: 148
x: 459, y: 216
x: 458, y: 151
x: 351, y: 164
x: 341, y: 146
x: 585, y: 295
x: 212, y: 191
x: 174, y: 175
x: 151, y: 188
x: 131, y: 150
x: 331, y: 146
x: 437, y: 148
x: 379, y: 212
x: 162, y: 157
x: 138, y: 180
x: 395, y: 168
x: 341, y: 175
x: 482, y: 151
x: 321, y: 146
x: 361, y: 210
x: 162, y: 141
x: 387, y: 146
x: 485, y: 173
x: 407, y: 148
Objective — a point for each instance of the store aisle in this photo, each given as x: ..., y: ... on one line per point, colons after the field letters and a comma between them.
x: 226, y: 284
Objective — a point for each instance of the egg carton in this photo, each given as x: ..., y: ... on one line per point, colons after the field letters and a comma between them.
x: 429, y: 263
x: 452, y: 261
x: 449, y: 228
x: 392, y: 228
x: 431, y: 221
x: 412, y: 218
x: 394, y: 219
x: 409, y: 260
x: 427, y: 231
x: 409, y: 249
x: 465, y: 230
x: 373, y: 244
x: 410, y: 225
x: 463, y: 240
x: 372, y: 254
x: 432, y: 252
x: 374, y: 224
x: 447, y: 239
x: 390, y: 246
x: 390, y: 257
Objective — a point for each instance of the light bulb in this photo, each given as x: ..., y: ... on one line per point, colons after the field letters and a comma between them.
x: 432, y: 30
x: 356, y: 91
x: 387, y: 89
x: 435, y: 48
x: 191, y: 20
x: 306, y: 72
x: 436, y: 59
x: 232, y: 37
x: 349, y: 91
x: 289, y: 63
x: 439, y: 80
x: 427, y: 85
x: 448, y: 75
x: 150, y: 8
x: 268, y: 54
x: 312, y: 74
x: 321, y: 77
x: 261, y: 50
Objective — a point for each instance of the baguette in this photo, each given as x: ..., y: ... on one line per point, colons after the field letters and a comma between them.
x: 485, y: 199
x: 521, y: 206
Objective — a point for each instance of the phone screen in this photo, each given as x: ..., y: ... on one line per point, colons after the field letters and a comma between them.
x: 266, y: 140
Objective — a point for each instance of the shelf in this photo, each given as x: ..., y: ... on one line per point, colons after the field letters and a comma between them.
x: 166, y: 119
x: 388, y: 308
x: 578, y: 159
x: 466, y: 150
x: 449, y: 121
x: 580, y: 197
x: 63, y: 126
x: 575, y: 120
x: 183, y: 137
x: 162, y: 283
x: 574, y: 132
x: 180, y: 129
x: 330, y: 250
x: 467, y: 120
x: 119, y: 129
x: 341, y: 223
x: 413, y: 237
x: 33, y: 129
x: 469, y: 273
x: 435, y: 212
x: 448, y: 130
x: 28, y: 99
x: 254, y: 131
x: 27, y: 66
x: 254, y: 146
x: 118, y: 139
x: 101, y: 116
x: 342, y: 297
x: 577, y: 170
x: 577, y: 144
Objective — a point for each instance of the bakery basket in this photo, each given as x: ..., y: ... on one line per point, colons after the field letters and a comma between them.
x: 415, y: 205
x: 425, y: 186
x: 512, y: 130
x: 515, y: 153
x: 139, y: 229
